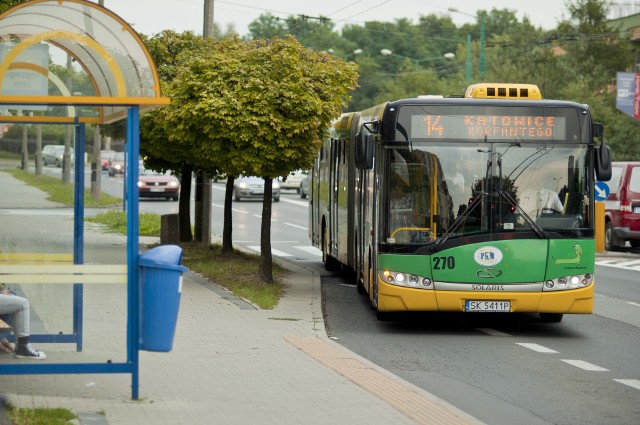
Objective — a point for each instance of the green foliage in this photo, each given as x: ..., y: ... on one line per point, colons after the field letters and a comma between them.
x: 258, y: 107
x: 8, y: 4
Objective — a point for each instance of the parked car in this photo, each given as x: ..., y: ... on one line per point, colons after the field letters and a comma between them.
x: 304, y: 187
x: 253, y: 188
x: 105, y: 158
x: 116, y: 165
x: 622, y: 207
x: 152, y: 184
x: 53, y: 154
x: 293, y: 180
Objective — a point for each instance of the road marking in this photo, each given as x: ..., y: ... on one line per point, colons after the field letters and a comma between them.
x: 259, y: 216
x: 625, y: 265
x: 633, y: 303
x: 629, y: 263
x: 310, y: 250
x: 297, y: 226
x: 489, y: 331
x: 275, y: 252
x: 294, y: 202
x: 536, y: 347
x: 634, y: 383
x: 585, y: 365
x: 232, y: 209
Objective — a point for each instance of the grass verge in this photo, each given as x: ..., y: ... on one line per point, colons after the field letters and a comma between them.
x: 116, y: 221
x: 238, y: 272
x: 60, y: 192
x: 48, y: 416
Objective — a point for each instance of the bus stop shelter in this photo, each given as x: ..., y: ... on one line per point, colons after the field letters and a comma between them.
x: 119, y: 81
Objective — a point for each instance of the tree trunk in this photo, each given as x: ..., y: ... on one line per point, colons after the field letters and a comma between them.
x: 184, y: 206
x: 266, y: 261
x: 227, y: 244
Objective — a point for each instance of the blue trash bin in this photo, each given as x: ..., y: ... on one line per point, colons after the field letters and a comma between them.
x: 161, y: 283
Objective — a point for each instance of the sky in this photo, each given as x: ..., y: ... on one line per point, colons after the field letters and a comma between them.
x: 153, y: 16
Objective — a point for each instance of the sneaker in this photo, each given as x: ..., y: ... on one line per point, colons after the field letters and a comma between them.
x: 28, y: 352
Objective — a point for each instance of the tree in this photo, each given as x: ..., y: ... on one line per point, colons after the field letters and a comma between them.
x: 158, y: 144
x: 262, y: 108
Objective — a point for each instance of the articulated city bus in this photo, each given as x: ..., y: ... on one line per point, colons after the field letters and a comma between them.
x: 481, y: 203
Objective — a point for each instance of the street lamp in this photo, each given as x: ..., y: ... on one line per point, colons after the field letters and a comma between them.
x: 468, y: 69
x: 416, y: 62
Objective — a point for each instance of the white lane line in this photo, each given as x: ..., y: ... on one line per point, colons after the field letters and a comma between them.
x: 604, y: 262
x: 488, y: 331
x: 275, y: 252
x: 585, y: 365
x: 259, y: 216
x: 536, y: 347
x: 297, y: 226
x: 629, y: 263
x: 633, y: 303
x: 232, y: 209
x: 294, y: 202
x: 310, y: 250
x: 634, y: 383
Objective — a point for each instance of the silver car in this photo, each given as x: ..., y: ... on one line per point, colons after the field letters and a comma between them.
x: 53, y: 154
x: 293, y: 180
x: 253, y: 188
x: 304, y: 187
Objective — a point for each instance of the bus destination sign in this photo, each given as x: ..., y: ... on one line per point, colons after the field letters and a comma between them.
x: 493, y: 127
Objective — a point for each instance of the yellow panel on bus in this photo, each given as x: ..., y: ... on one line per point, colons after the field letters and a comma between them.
x: 504, y: 91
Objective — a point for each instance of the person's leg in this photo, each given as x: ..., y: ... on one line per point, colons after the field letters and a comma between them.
x: 19, y: 309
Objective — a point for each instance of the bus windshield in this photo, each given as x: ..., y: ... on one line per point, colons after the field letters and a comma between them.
x: 439, y: 192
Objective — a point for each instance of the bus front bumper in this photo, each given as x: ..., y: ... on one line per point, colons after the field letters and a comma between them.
x: 573, y: 301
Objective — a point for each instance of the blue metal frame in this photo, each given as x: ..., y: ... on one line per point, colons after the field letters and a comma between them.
x: 134, y: 310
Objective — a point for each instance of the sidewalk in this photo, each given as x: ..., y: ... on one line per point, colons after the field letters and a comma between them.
x: 231, y: 363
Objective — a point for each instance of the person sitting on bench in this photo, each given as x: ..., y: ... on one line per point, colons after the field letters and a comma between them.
x: 19, y: 309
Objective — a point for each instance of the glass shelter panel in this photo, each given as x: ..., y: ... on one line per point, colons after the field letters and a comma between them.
x: 72, y: 314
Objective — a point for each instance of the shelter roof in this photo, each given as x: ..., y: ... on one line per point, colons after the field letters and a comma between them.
x: 111, y: 68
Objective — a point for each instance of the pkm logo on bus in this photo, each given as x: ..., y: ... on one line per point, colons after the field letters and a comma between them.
x: 488, y: 256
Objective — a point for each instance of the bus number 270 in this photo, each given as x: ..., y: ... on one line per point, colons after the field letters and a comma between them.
x: 444, y: 263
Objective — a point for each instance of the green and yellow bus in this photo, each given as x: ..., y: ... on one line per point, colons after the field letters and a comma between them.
x: 475, y: 203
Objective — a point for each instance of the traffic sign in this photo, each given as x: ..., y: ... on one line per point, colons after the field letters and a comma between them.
x: 602, y: 191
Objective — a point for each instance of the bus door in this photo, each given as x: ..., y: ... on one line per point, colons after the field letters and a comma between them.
x: 334, y: 181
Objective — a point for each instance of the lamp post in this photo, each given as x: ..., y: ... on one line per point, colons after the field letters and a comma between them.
x: 416, y: 62
x: 468, y: 68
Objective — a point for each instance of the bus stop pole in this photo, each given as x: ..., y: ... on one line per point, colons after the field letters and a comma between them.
x: 133, y: 286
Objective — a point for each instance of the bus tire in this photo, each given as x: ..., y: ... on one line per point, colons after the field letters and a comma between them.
x: 330, y: 263
x: 551, y: 317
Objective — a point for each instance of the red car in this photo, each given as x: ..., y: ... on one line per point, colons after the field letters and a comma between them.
x: 622, y: 207
x: 105, y: 159
x: 152, y: 184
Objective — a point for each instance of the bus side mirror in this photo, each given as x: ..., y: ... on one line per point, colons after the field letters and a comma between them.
x: 603, y: 163
x: 364, y: 151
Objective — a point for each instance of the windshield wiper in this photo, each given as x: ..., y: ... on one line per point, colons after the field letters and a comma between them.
x: 539, y: 230
x: 458, y: 221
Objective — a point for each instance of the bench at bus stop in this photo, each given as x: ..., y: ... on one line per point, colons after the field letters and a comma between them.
x: 54, y: 269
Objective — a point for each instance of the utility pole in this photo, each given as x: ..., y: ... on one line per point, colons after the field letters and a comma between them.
x: 202, y: 204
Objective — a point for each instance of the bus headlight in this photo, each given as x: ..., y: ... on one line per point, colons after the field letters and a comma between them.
x: 568, y: 282
x: 405, y: 279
